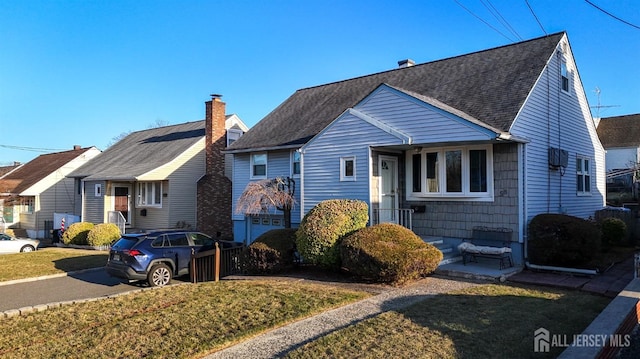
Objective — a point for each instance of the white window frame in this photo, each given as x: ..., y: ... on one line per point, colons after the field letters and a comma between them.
x: 266, y: 163
x: 441, y: 193
x: 28, y: 205
x: 233, y: 135
x: 583, y: 175
x: 97, y: 190
x: 565, y: 73
x: 143, y: 195
x: 343, y: 169
x: 295, y: 153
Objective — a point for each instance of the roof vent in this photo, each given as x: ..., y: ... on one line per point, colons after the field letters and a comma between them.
x: 406, y: 63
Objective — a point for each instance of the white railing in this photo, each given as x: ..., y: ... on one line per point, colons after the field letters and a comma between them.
x: 401, y: 216
x: 118, y: 219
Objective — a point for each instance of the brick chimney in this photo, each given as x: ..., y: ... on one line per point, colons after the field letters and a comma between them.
x: 214, y: 188
x: 215, y: 135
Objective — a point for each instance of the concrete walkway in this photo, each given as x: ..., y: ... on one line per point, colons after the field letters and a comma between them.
x: 278, y: 342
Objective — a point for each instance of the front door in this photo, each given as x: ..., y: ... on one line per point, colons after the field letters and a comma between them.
x: 121, y: 201
x: 388, y: 189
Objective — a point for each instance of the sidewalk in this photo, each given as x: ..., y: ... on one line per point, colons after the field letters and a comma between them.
x: 609, y: 283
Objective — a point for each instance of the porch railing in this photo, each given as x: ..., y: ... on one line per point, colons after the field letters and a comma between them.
x: 401, y: 216
x: 118, y: 219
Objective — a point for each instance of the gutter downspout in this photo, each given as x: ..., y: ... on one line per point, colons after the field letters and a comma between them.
x: 562, y: 269
x: 301, y: 183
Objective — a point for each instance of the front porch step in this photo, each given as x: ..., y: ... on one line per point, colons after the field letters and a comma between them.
x: 450, y: 260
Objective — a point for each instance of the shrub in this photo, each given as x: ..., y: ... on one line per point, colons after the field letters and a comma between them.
x: 271, y: 252
x: 614, y: 231
x: 389, y: 253
x: 77, y: 233
x: 562, y: 240
x: 325, y: 225
x: 103, y: 234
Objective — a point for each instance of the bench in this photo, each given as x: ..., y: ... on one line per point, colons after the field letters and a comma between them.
x: 482, y: 244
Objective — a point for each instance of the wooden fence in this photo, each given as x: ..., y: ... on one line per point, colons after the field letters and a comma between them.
x: 214, y: 264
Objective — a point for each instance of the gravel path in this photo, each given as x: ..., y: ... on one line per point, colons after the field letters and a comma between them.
x: 278, y: 342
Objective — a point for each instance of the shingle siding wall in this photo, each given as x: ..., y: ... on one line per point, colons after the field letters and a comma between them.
x: 457, y: 219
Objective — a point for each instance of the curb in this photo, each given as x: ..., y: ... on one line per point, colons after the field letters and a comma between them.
x: 617, y: 319
x: 42, y: 307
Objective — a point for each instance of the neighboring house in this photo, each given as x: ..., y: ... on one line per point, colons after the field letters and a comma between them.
x: 33, y: 192
x: 620, y: 136
x: 151, y: 179
x: 481, y: 141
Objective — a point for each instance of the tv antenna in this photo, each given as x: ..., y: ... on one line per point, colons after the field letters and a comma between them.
x: 599, y: 106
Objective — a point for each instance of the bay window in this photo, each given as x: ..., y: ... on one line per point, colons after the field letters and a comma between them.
x: 452, y: 172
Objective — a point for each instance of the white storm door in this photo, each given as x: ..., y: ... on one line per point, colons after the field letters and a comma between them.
x: 388, y: 167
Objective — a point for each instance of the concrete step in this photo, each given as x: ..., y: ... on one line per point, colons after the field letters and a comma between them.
x: 449, y: 260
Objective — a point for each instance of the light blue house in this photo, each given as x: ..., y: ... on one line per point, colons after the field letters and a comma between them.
x: 478, y: 142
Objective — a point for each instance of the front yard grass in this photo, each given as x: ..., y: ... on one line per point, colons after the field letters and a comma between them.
x: 181, y: 321
x: 489, y: 321
x: 49, y: 261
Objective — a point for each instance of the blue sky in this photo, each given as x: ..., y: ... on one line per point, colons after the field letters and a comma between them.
x: 83, y: 72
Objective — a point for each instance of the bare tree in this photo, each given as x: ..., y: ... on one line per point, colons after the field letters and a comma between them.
x: 261, y: 195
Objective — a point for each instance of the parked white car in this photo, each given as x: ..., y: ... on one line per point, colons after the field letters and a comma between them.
x: 10, y: 244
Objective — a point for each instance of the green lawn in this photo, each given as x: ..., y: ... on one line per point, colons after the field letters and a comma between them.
x: 49, y: 261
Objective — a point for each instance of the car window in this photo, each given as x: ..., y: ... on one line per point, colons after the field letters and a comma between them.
x: 5, y: 237
x: 125, y: 243
x: 160, y: 242
x: 177, y: 239
x: 200, y: 239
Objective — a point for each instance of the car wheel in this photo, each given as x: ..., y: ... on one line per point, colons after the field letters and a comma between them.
x: 159, y: 275
x: 27, y: 248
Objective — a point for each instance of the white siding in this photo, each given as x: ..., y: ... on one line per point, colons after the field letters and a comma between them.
x: 423, y: 122
x: 553, y: 118
x: 321, y: 160
x: 618, y: 158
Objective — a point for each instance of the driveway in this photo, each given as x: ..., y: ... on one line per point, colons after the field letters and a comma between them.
x: 82, y: 285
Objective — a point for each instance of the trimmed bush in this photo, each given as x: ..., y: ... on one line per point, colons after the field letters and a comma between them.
x: 103, y: 234
x: 77, y: 233
x: 614, y: 231
x: 562, y: 240
x: 271, y: 252
x: 388, y: 253
x: 325, y: 225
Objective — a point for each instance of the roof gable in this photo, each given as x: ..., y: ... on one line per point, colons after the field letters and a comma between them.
x: 489, y: 85
x: 620, y: 131
x: 37, y: 169
x: 142, y: 151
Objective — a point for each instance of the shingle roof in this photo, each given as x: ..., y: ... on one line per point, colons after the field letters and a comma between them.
x: 36, y: 170
x: 620, y: 131
x: 489, y: 85
x: 141, y: 152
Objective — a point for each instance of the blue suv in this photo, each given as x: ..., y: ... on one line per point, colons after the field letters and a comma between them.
x: 156, y: 257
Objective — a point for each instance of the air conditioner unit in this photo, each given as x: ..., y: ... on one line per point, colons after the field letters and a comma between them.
x: 558, y: 158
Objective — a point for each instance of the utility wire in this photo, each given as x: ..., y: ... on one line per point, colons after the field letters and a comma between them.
x: 486, y: 23
x: 496, y: 13
x: 536, y: 17
x: 33, y: 149
x: 610, y: 14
